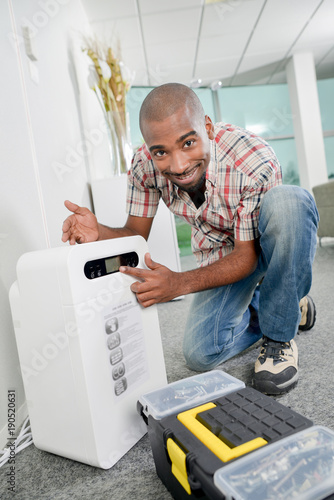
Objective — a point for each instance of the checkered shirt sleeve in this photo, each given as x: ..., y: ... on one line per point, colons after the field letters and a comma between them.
x: 254, y: 170
x: 143, y: 194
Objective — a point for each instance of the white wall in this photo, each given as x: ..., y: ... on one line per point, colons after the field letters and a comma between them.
x: 40, y: 129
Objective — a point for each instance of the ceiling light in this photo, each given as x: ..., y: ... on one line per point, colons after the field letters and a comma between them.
x: 216, y: 85
x: 195, y: 83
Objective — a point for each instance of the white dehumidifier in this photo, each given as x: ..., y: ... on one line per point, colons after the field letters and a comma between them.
x: 87, y: 349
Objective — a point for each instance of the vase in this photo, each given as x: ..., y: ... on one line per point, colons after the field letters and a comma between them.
x: 112, y: 145
x: 120, y: 148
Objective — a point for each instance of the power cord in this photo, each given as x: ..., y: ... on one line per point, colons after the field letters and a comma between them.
x: 23, y: 440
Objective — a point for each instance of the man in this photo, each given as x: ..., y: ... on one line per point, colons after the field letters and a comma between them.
x: 247, y: 228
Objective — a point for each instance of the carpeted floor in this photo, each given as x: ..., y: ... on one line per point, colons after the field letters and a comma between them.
x: 42, y: 476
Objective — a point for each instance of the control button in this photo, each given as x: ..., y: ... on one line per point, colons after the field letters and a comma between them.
x: 116, y: 356
x: 94, y: 269
x: 118, y: 371
x: 120, y: 386
x: 132, y: 259
x: 114, y: 340
x: 111, y: 325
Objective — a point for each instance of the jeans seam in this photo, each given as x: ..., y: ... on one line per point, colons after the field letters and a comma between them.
x: 217, y: 321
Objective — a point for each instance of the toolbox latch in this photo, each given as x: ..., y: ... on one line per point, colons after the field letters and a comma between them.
x: 179, y: 468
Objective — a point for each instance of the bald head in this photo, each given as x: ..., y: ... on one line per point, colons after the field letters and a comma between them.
x: 166, y: 100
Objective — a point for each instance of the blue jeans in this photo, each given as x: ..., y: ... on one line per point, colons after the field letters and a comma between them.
x: 225, y: 321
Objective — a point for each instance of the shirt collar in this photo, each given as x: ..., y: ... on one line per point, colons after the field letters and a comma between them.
x: 211, y: 173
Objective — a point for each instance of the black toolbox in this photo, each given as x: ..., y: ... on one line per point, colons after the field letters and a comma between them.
x: 204, y: 429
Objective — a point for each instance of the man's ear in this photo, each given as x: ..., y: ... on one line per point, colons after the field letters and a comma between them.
x: 209, y: 127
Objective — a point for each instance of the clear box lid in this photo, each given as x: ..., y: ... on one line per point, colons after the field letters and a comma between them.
x: 300, y: 466
x: 188, y: 393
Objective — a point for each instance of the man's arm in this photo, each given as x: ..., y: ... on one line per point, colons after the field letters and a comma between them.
x: 83, y: 227
x: 160, y: 284
x: 134, y: 225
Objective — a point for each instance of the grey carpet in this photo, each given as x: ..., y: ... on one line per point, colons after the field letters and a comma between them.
x: 40, y: 475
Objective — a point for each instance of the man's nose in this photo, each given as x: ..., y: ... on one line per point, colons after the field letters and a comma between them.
x: 178, y: 164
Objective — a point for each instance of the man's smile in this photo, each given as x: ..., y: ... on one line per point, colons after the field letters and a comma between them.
x: 185, y: 176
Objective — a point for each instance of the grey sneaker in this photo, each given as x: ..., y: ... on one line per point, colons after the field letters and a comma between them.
x: 276, y: 369
x: 308, y: 310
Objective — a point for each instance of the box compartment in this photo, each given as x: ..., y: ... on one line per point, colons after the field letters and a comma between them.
x: 299, y: 466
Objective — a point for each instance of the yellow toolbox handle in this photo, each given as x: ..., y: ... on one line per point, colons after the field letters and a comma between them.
x: 218, y: 447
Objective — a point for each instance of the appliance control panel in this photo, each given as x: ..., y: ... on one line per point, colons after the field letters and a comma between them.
x: 109, y: 265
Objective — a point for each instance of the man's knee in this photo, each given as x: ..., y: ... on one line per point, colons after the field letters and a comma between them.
x: 286, y: 203
x: 197, y: 361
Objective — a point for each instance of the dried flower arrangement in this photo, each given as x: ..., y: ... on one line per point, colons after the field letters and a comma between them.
x: 111, y: 80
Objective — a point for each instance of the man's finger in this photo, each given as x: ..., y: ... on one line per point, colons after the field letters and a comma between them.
x: 140, y: 287
x: 72, y: 240
x: 147, y: 303
x: 135, y: 271
x: 73, y: 207
x: 150, y: 263
x: 65, y: 237
x: 146, y: 299
x: 66, y: 225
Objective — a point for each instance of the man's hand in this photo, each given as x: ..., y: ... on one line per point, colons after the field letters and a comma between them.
x: 81, y: 226
x: 154, y: 285
x: 160, y: 284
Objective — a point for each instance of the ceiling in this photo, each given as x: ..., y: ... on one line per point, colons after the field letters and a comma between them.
x: 235, y: 42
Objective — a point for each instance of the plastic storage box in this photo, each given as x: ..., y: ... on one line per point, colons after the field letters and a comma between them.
x: 192, y: 439
x: 187, y: 393
x: 299, y: 466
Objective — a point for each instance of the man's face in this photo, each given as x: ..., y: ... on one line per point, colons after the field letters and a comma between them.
x: 180, y: 148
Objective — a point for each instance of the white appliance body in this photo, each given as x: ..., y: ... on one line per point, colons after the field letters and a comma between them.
x: 87, y: 349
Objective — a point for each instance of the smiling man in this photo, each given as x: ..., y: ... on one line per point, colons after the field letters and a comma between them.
x: 246, y: 228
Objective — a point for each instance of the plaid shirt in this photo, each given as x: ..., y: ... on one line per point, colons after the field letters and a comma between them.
x: 242, y: 168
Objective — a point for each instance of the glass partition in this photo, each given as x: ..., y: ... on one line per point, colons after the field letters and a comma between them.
x: 326, y: 102
x: 134, y: 100
x: 263, y: 109
x: 286, y: 153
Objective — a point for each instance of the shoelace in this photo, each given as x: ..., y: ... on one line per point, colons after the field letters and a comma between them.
x: 271, y: 349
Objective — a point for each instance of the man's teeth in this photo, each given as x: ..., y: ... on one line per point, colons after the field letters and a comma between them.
x: 186, y: 176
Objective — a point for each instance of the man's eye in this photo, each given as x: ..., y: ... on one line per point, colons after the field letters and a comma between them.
x: 159, y: 153
x: 189, y: 143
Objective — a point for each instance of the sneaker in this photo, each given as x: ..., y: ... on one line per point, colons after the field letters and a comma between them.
x: 307, y: 308
x: 276, y: 369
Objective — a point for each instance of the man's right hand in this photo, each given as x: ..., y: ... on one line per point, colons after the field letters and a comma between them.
x: 81, y: 226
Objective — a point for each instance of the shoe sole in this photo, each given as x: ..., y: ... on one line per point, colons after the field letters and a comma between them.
x: 310, y: 316
x: 270, y: 388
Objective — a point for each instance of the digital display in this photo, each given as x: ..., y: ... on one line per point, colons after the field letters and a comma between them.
x: 109, y: 265
x: 112, y: 264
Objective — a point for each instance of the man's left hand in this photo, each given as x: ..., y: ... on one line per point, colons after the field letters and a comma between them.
x: 155, y: 284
